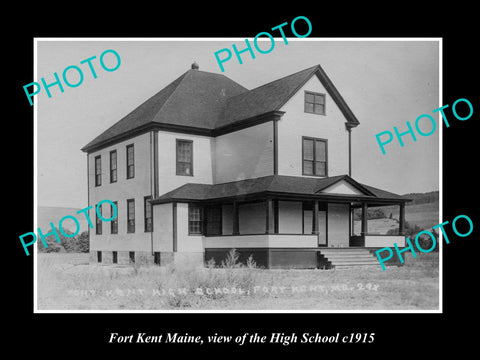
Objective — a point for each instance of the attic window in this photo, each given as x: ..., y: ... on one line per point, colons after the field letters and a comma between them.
x: 314, y: 103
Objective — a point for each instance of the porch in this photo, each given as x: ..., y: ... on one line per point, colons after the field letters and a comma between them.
x: 283, y: 221
x: 278, y: 251
x: 290, y: 223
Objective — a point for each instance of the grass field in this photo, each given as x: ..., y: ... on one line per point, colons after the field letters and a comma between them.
x: 376, y: 226
x: 423, y: 215
x: 67, y: 282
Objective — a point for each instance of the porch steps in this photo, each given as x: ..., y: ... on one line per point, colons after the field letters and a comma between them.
x: 337, y: 258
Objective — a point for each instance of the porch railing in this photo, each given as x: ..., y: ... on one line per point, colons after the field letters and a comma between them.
x: 377, y: 240
x: 262, y: 241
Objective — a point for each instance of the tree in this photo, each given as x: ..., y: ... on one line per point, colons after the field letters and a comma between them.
x: 78, y: 243
x: 83, y: 242
x: 52, y: 244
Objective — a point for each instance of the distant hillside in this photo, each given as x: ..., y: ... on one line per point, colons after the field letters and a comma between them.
x: 423, y: 198
x: 423, y: 211
x: 48, y: 214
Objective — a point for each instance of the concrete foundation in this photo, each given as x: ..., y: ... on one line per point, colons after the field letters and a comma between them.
x: 146, y: 258
x: 264, y: 258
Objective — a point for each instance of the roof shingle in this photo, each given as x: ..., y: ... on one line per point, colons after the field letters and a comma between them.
x: 209, y: 101
x: 195, y: 99
x: 287, y: 185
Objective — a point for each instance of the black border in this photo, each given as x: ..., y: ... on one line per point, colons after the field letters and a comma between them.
x: 406, y: 334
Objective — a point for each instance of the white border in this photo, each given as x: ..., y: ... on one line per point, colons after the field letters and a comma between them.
x: 35, y: 115
x: 35, y: 182
x: 440, y: 177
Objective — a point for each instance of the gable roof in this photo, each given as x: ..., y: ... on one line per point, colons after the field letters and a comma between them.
x: 207, y: 103
x: 335, y: 179
x: 275, y: 184
x: 272, y: 96
x: 265, y: 98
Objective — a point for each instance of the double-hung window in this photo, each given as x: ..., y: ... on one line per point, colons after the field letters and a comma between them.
x: 184, y: 157
x: 148, y: 214
x: 114, y: 222
x: 113, y: 166
x: 98, y: 170
x: 98, y: 220
x: 130, y: 162
x: 130, y: 215
x: 314, y: 157
x: 195, y: 220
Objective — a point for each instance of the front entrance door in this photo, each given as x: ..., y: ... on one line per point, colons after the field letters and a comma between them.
x: 322, y: 221
x: 338, y: 224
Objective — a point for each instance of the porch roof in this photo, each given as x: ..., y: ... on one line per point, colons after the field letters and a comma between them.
x: 278, y: 186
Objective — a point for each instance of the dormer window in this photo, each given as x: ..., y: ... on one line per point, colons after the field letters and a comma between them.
x: 314, y: 103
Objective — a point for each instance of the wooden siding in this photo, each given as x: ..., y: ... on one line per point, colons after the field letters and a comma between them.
x: 166, y: 155
x: 121, y: 190
x: 342, y: 187
x: 244, y: 154
x: 261, y: 241
x: 163, y: 220
x: 186, y: 242
x: 295, y: 123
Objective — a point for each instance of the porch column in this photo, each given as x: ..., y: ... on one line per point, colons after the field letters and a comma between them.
x: 174, y: 227
x: 268, y: 216
x: 315, y: 218
x: 401, y: 220
x: 352, y: 221
x: 364, y: 219
x: 275, y: 216
x: 204, y: 220
x: 235, y: 219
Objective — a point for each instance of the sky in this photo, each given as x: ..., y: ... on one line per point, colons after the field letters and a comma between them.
x: 385, y: 83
